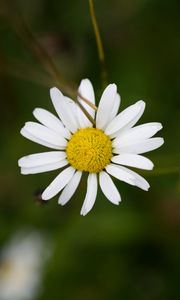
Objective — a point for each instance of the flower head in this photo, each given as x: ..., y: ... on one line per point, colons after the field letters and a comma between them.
x: 102, y: 150
x: 21, y: 264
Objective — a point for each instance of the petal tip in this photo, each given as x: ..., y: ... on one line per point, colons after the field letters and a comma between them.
x: 141, y: 103
x: 60, y: 202
x: 44, y: 196
x: 114, y: 86
x: 162, y: 141
x: 54, y: 91
x: 83, y: 212
x: 160, y: 126
x: 151, y: 167
x: 24, y: 171
x: 146, y: 188
x: 87, y: 80
x: 19, y: 162
x: 22, y: 131
x: 37, y: 110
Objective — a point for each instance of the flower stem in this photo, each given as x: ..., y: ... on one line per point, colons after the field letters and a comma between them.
x: 163, y: 171
x: 87, y: 102
x: 85, y: 112
x: 99, y: 43
x: 24, y: 32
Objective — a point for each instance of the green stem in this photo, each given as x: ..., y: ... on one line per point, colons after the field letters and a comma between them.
x: 99, y: 43
x: 85, y: 112
x: 163, y: 171
x: 26, y: 72
x: 87, y: 102
x: 23, y: 31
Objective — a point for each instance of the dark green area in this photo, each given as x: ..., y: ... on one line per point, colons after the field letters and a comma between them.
x: 127, y: 252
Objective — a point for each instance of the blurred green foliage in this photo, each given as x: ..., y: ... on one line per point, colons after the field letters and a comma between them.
x: 126, y: 252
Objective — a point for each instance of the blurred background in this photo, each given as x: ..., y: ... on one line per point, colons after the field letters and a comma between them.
x: 127, y: 252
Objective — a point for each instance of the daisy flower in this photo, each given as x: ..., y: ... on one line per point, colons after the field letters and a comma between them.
x: 21, y: 266
x: 107, y: 148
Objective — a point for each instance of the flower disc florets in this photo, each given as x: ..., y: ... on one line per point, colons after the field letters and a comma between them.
x: 89, y: 150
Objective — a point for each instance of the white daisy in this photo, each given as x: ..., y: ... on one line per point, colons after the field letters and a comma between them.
x: 21, y: 263
x: 102, y: 150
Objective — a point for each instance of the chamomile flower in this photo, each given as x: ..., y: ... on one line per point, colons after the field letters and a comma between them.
x: 105, y: 149
x: 21, y: 266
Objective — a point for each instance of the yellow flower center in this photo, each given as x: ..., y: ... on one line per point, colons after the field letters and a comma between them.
x: 6, y: 268
x: 89, y: 150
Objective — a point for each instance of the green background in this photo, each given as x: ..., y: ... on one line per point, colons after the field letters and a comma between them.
x: 127, y: 252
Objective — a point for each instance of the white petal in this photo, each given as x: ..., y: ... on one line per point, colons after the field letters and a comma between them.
x: 126, y: 119
x: 106, y: 106
x: 138, y: 180
x: 139, y: 132
x: 58, y: 183
x: 90, y: 194
x: 72, y: 105
x: 49, y: 120
x: 44, y: 168
x: 120, y: 174
x: 39, y: 159
x: 108, y: 188
x: 115, y: 108
x: 70, y: 188
x: 83, y: 121
x: 133, y: 160
x: 65, y: 109
x: 85, y: 90
x: 30, y: 137
x: 141, y: 146
x: 137, y: 117
x: 42, y: 133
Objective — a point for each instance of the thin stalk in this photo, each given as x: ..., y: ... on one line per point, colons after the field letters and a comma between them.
x: 24, y: 32
x: 87, y: 102
x: 99, y: 43
x: 163, y: 171
x: 85, y: 112
x: 26, y: 72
